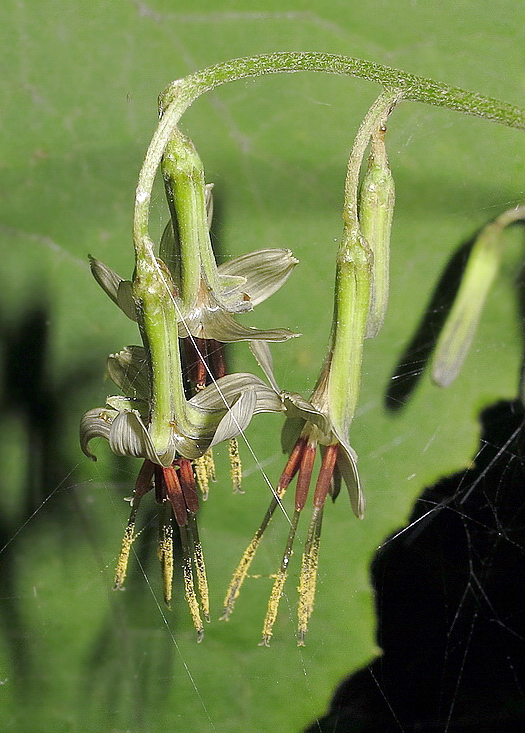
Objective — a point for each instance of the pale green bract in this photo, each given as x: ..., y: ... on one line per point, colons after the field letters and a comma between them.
x: 245, y: 282
x: 220, y: 412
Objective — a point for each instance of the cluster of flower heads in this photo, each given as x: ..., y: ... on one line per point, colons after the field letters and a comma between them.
x: 178, y: 401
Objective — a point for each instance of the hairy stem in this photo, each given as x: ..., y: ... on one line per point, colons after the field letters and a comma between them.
x: 181, y: 93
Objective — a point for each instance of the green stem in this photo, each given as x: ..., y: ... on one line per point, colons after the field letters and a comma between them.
x: 153, y: 289
x: 341, y: 375
x: 351, y: 304
x: 184, y: 176
x: 376, y: 116
x: 413, y: 87
x: 180, y: 94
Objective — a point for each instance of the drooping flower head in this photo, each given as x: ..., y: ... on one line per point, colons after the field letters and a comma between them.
x: 361, y: 290
x: 178, y: 401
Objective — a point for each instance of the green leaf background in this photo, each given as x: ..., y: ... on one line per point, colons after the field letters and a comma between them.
x: 78, y: 87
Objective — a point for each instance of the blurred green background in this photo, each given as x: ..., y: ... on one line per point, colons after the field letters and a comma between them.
x: 78, y: 87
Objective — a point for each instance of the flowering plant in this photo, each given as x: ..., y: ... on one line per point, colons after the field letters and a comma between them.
x: 179, y: 402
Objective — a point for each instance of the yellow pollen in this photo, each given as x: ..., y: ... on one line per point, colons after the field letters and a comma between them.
x: 239, y: 576
x: 191, y: 598
x: 204, y: 468
x: 273, y: 607
x: 308, y: 577
x: 166, y: 557
x: 235, y: 465
x: 122, y: 563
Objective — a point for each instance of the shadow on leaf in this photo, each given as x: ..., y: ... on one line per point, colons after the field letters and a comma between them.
x: 450, y: 603
x: 413, y: 361
x: 37, y: 403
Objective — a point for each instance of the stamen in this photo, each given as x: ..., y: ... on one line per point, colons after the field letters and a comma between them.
x: 182, y: 493
x: 161, y: 493
x: 242, y: 568
x: 292, y: 465
x: 189, y: 583
x: 210, y: 464
x: 143, y: 484
x: 188, y: 366
x: 188, y: 485
x: 175, y: 495
x: 144, y: 480
x: 166, y: 551
x: 305, y: 475
x: 234, y: 588
x: 235, y: 465
x: 204, y: 469
x: 308, y: 577
x: 196, y: 360
x: 127, y: 541
x: 273, y: 607
x: 335, y: 484
x: 277, y: 589
x: 325, y: 475
x: 200, y: 568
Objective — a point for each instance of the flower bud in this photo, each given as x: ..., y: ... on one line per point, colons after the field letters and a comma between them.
x: 376, y: 207
x: 460, y: 326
